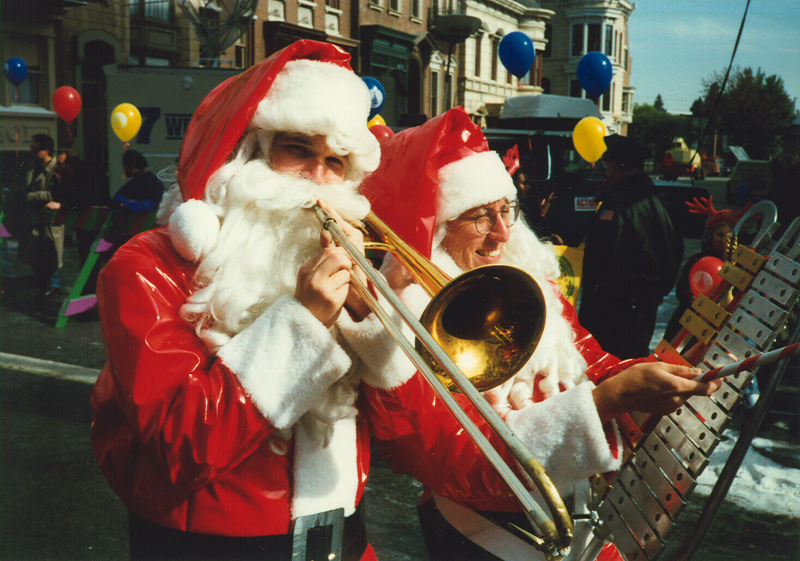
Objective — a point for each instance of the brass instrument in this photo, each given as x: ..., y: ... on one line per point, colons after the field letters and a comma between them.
x: 489, y: 322
x: 491, y: 345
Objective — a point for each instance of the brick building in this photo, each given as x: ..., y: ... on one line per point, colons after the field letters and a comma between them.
x: 408, y: 45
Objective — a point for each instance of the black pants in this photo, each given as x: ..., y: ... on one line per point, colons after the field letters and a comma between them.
x: 153, y: 542
x: 444, y: 543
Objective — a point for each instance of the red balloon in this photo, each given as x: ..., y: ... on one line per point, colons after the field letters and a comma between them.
x: 67, y: 103
x: 381, y: 132
x: 704, y: 276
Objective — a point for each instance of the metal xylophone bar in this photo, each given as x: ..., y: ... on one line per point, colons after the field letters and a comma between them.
x: 647, y: 494
x: 750, y: 363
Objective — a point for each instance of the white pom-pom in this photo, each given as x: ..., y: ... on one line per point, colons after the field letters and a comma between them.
x: 194, y: 229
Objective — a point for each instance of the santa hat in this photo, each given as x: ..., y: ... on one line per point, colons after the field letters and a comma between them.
x: 308, y: 88
x: 433, y: 173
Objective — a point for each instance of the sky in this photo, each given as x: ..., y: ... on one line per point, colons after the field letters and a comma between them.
x: 676, y: 44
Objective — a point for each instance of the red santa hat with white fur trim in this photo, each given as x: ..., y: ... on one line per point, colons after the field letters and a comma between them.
x: 308, y: 88
x: 433, y: 173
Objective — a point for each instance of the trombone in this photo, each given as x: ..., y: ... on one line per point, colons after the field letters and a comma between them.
x: 493, y: 346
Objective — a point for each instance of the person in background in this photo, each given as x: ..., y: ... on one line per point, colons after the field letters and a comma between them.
x: 714, y: 243
x: 443, y: 192
x: 535, y: 208
x: 43, y: 246
x: 632, y: 255
x: 785, y: 188
x: 227, y: 417
x: 141, y: 194
x: 143, y: 191
x: 78, y: 197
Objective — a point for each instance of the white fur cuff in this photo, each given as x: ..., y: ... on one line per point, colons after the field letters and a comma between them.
x: 565, y: 434
x: 193, y: 229
x: 385, y: 365
x: 285, y: 360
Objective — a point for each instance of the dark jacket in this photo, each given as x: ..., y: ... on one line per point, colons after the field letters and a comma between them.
x: 142, y: 193
x: 631, y: 261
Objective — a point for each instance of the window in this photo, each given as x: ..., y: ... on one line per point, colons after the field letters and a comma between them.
x: 28, y: 91
x: 608, y: 99
x: 546, y: 85
x: 575, y: 89
x: 593, y: 43
x: 548, y: 36
x: 588, y: 37
x: 239, y: 56
x: 31, y: 49
x: 208, y: 55
x: 305, y: 16
x: 332, y: 23
x: 394, y: 6
x: 609, y: 41
x: 448, y: 91
x: 626, y: 102
x: 332, y: 4
x: 535, y: 73
x: 277, y: 10
x: 434, y: 92
x: 416, y: 9
x: 495, y: 57
x: 152, y: 9
x: 577, y: 40
x: 478, y: 47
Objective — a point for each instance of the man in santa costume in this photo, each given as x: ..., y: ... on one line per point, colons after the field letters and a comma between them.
x: 227, y: 409
x: 442, y: 190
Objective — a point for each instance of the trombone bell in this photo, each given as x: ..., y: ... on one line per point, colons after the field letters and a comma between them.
x: 489, y: 321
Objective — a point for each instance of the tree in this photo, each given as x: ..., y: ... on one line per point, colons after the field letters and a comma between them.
x: 659, y: 103
x: 656, y: 129
x: 753, y: 112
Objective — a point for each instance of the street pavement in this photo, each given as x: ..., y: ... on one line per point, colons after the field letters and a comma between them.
x: 56, y: 505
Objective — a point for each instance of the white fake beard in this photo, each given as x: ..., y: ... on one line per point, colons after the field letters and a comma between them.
x: 556, y: 359
x: 267, y: 231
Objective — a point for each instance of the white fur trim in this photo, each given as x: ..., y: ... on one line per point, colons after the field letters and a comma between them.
x: 193, y: 229
x: 285, y: 360
x: 473, y: 181
x: 313, y: 97
x: 385, y: 365
x: 170, y: 200
x: 568, y: 417
x: 325, y: 477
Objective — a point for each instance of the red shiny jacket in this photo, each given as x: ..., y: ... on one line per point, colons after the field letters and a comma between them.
x: 174, y: 432
x: 425, y: 440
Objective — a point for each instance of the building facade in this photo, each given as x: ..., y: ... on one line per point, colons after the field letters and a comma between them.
x: 430, y: 55
x: 483, y: 82
x: 581, y: 26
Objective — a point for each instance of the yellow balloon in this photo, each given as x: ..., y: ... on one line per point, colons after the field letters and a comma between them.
x: 376, y: 120
x: 126, y: 121
x: 587, y: 136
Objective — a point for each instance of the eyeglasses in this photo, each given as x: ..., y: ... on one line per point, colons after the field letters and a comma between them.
x: 486, y: 218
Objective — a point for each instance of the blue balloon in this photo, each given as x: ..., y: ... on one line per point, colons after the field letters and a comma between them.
x: 378, y: 95
x: 15, y: 70
x: 516, y: 53
x: 594, y: 73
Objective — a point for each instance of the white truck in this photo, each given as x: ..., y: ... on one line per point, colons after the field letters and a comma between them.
x: 166, y: 99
